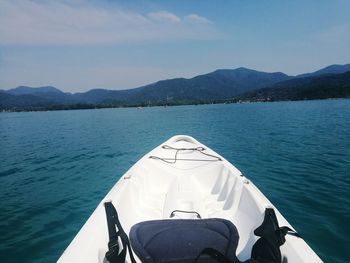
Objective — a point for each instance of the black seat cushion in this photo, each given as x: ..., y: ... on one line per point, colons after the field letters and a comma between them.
x: 182, y: 240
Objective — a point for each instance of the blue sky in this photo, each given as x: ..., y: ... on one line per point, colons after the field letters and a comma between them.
x: 80, y: 45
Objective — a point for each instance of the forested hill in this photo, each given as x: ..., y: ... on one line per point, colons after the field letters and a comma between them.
x: 320, y: 87
x: 220, y: 85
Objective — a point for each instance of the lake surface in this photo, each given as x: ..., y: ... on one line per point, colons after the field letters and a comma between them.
x: 57, y: 166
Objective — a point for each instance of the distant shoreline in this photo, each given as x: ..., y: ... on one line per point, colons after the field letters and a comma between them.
x: 142, y: 105
x: 238, y: 85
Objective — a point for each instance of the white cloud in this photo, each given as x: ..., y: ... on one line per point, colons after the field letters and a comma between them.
x: 29, y: 22
x: 197, y: 19
x: 164, y: 16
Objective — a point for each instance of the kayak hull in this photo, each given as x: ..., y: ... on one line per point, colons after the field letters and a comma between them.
x: 183, y: 174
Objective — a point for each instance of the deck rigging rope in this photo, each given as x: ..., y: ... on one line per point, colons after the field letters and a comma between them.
x: 175, y: 159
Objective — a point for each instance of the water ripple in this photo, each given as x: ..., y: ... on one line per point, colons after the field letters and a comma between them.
x: 52, y: 178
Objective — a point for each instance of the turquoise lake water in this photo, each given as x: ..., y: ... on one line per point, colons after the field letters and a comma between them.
x: 57, y: 166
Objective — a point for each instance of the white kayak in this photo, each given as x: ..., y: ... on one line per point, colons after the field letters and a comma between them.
x: 183, y: 179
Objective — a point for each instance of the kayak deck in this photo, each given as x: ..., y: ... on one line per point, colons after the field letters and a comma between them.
x: 184, y: 175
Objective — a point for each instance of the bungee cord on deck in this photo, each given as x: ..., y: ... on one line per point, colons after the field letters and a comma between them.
x: 175, y: 159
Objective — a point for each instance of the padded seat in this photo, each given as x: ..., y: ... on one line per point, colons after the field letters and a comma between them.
x: 182, y: 240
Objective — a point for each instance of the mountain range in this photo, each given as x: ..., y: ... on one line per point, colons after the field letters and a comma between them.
x: 220, y: 85
x: 306, y: 88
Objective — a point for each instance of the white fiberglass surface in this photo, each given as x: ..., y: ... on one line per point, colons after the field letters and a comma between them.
x: 210, y: 189
x: 194, y: 182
